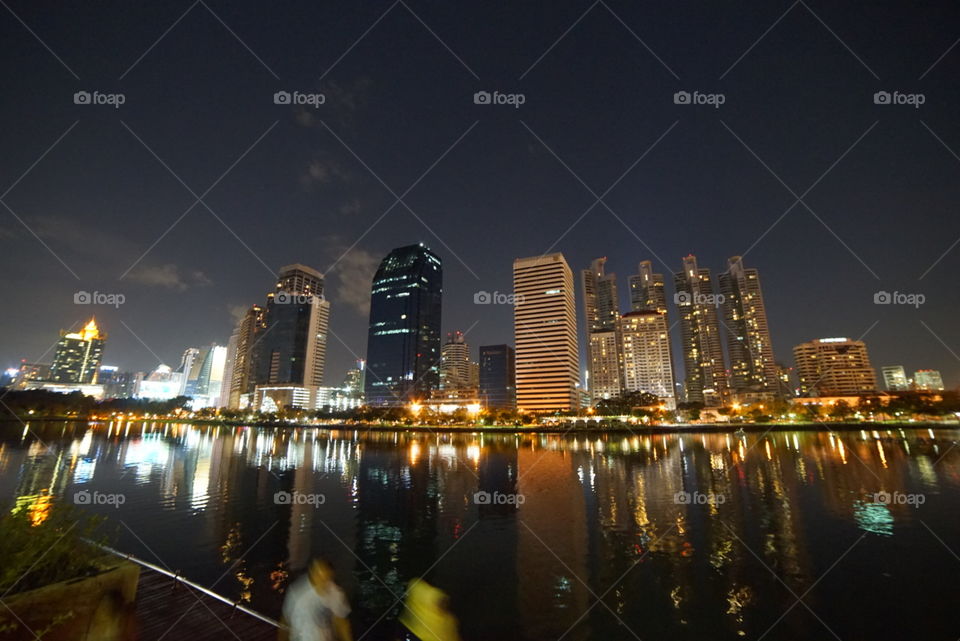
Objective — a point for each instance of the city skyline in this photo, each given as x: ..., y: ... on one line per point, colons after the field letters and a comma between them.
x: 674, y: 177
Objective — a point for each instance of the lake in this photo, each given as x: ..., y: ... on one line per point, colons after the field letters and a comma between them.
x: 784, y: 535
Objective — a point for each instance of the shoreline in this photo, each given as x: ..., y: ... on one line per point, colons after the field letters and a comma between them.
x: 643, y: 430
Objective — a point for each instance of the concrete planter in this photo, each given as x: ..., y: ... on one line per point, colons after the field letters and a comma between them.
x: 94, y: 608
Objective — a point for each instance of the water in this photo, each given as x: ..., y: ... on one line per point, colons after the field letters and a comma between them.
x: 788, y: 535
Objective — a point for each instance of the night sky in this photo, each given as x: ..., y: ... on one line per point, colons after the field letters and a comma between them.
x: 105, y: 199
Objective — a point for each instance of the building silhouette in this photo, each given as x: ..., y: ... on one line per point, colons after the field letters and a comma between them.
x: 497, y: 377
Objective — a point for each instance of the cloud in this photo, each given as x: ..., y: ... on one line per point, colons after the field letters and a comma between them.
x: 169, y: 276
x: 352, y: 275
x: 350, y: 208
x: 324, y: 171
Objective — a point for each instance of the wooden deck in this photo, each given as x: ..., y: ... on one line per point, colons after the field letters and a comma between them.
x: 172, y: 610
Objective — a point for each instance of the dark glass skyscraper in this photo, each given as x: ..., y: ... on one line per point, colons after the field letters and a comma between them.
x: 497, y: 376
x: 403, y: 345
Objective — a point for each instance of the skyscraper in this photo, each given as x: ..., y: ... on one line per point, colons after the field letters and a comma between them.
x: 601, y: 310
x: 292, y: 349
x: 753, y: 370
x: 895, y: 378
x: 497, y: 376
x: 455, y: 363
x: 245, y: 337
x: 545, y: 328
x: 834, y: 367
x: 647, y: 289
x: 403, y: 344
x: 703, y: 364
x: 928, y: 380
x: 647, y: 366
x: 78, y: 355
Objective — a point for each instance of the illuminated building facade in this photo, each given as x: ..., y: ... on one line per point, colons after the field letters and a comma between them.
x: 30, y: 372
x: 647, y: 290
x: 78, y: 355
x: 403, y: 342
x: 928, y: 380
x: 601, y: 310
x: 545, y: 330
x: 895, y: 378
x: 646, y: 355
x: 455, y: 363
x: 753, y: 370
x: 834, y: 367
x: 245, y: 336
x: 703, y: 363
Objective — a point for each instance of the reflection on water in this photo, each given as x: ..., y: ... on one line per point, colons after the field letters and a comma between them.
x: 788, y: 535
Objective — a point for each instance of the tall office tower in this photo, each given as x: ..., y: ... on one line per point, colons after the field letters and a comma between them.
x: 229, y: 369
x: 403, y: 344
x: 647, y: 366
x: 647, y: 290
x: 246, y: 336
x: 353, y: 381
x: 455, y: 363
x: 545, y: 329
x: 753, y: 370
x: 928, y: 380
x: 186, y: 366
x: 706, y: 376
x: 601, y: 310
x: 895, y: 378
x: 292, y: 349
x: 834, y: 367
x: 203, y: 370
x: 78, y: 355
x: 497, y: 377
x: 300, y: 279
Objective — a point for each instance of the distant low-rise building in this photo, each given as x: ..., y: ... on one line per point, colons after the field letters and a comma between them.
x: 895, y: 378
x: 928, y: 380
x: 834, y: 367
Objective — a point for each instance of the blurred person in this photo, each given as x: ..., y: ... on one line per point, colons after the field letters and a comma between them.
x: 426, y: 613
x: 315, y: 608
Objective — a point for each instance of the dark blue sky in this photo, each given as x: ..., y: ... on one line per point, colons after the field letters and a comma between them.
x: 305, y: 185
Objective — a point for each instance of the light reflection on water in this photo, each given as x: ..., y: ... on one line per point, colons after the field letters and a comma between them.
x: 670, y: 536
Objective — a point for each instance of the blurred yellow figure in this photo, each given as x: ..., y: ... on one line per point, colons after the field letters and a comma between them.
x: 426, y: 615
